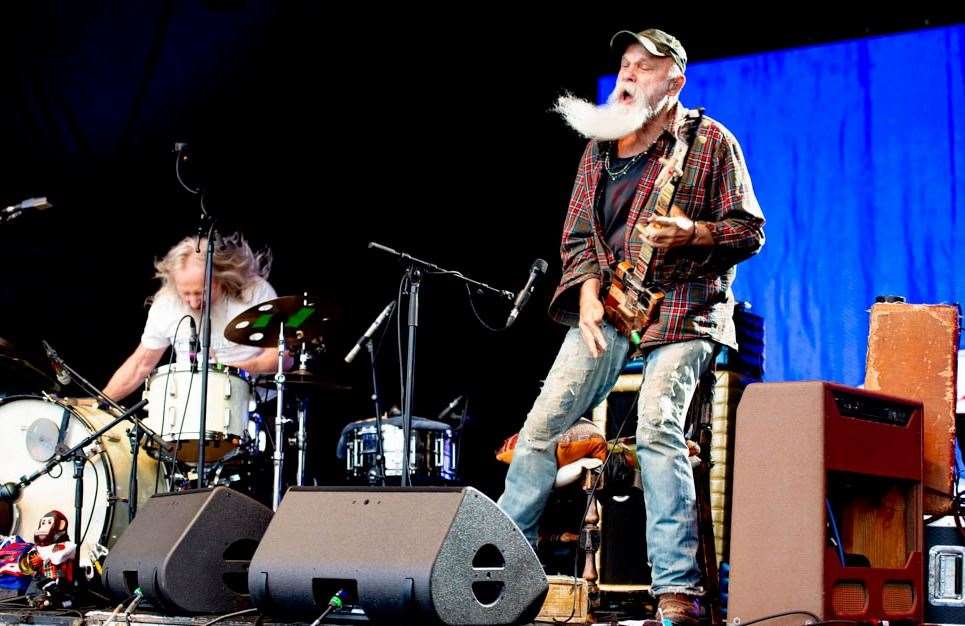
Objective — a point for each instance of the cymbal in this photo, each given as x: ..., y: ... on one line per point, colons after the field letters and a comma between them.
x: 303, y: 378
x: 258, y: 326
x: 20, y: 376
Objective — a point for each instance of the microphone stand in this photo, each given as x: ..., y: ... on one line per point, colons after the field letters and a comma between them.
x: 415, y: 268
x: 379, y: 450
x: 366, y: 339
x: 206, y: 221
x: 205, y: 337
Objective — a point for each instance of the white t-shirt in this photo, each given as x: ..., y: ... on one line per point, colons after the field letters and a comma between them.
x: 167, y: 309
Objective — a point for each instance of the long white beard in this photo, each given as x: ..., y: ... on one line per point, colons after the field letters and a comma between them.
x: 609, y: 121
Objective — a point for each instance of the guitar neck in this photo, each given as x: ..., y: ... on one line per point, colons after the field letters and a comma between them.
x: 661, y: 208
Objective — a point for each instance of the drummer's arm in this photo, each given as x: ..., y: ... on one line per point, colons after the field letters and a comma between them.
x: 133, y: 372
x: 266, y: 361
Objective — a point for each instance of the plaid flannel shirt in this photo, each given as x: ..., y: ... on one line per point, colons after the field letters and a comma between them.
x: 715, y: 189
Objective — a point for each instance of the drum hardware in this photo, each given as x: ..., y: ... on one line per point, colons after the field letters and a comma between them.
x: 11, y: 492
x: 96, y: 552
x: 65, y: 375
x: 279, y: 453
x: 286, y: 322
x: 414, y: 269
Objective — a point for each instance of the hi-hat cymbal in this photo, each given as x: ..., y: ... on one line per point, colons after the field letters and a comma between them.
x: 259, y: 325
x: 302, y: 378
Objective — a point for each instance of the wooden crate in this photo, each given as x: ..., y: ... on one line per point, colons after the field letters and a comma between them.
x: 567, y: 597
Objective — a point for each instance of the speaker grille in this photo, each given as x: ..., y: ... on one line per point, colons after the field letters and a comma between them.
x: 849, y: 598
x: 898, y: 598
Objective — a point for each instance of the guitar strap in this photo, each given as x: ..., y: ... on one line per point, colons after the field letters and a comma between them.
x: 665, y: 189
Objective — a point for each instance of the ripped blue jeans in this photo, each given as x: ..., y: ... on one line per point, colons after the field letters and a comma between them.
x: 576, y: 383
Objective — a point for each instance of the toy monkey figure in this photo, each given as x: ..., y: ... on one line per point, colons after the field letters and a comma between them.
x: 51, y: 562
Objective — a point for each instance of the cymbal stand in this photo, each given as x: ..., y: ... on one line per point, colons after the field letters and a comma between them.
x: 279, y: 453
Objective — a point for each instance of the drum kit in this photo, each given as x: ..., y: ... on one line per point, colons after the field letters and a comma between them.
x: 38, y: 424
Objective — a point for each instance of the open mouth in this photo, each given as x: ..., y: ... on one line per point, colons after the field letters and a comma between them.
x: 625, y: 97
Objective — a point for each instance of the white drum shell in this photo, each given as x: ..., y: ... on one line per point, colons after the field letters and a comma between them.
x: 174, y: 403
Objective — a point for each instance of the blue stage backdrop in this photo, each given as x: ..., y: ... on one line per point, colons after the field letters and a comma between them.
x: 857, y: 155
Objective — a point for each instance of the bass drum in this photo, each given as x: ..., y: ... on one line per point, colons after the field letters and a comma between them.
x: 30, y: 428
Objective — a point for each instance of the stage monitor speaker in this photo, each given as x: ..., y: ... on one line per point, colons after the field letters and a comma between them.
x: 422, y: 555
x: 189, y: 552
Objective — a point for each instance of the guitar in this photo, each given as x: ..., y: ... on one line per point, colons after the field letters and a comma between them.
x: 632, y: 304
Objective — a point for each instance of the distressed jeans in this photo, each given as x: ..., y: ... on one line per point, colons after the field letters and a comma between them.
x: 576, y: 383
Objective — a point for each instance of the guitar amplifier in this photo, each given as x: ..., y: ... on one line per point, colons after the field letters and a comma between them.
x: 944, y: 560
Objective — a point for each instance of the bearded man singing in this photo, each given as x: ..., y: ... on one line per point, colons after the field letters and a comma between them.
x: 639, y: 142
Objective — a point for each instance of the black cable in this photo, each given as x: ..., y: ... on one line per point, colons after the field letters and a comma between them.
x: 164, y: 407
x: 97, y: 486
x: 13, y: 599
x: 479, y: 318
x: 184, y: 415
x: 385, y: 331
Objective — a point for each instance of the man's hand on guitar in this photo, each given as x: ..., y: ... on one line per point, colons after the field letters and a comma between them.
x: 671, y: 231
x: 591, y: 317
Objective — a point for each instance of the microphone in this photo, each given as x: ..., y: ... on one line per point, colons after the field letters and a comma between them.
x: 535, y: 270
x: 9, y: 492
x: 39, y: 204
x: 452, y: 405
x: 63, y: 376
x: 193, y: 349
x: 371, y: 331
x: 13, y: 211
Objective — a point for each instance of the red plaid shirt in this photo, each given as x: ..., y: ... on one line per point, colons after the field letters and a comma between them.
x: 715, y: 189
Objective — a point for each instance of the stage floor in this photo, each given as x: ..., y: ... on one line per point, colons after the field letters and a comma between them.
x: 99, y: 618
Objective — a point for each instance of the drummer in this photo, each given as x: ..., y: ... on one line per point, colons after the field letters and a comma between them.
x: 239, y: 282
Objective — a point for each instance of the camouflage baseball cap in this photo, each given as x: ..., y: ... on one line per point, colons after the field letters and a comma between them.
x: 657, y: 43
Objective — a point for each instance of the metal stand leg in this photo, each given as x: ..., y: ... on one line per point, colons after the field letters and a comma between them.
x: 79, y: 461
x: 279, y: 455
x: 302, y: 441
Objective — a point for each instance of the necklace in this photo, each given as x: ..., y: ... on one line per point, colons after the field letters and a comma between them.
x: 626, y: 167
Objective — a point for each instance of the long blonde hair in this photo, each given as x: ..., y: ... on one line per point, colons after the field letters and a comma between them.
x: 236, y: 266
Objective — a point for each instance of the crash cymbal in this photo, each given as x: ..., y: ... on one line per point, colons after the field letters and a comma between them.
x: 20, y: 376
x: 302, y: 378
x: 259, y: 325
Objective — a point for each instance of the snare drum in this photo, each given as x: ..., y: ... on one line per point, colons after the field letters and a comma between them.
x: 174, y: 408
x: 30, y: 427
x: 432, y: 451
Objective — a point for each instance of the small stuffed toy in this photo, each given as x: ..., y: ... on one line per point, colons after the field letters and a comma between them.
x: 51, y: 562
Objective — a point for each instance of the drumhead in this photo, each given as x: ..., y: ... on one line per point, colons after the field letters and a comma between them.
x: 27, y: 424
